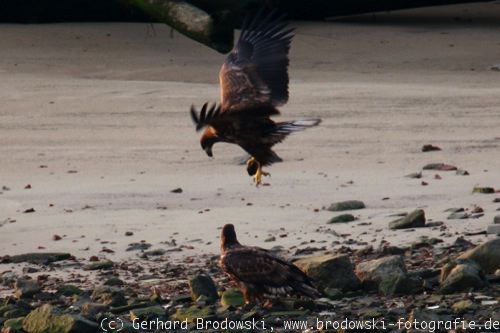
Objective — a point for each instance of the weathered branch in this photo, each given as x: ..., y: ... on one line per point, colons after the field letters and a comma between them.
x: 214, y: 29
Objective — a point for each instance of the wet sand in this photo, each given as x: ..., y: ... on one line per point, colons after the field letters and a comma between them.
x: 94, y: 116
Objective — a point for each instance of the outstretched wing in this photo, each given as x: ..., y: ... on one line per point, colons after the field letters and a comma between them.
x: 208, y: 116
x: 256, y: 70
x: 256, y: 266
x: 214, y: 116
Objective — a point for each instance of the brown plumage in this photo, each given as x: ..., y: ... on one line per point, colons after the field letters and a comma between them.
x: 258, y: 272
x: 253, y: 81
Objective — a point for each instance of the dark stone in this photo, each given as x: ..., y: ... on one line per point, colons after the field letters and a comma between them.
x: 464, y: 276
x: 69, y: 290
x: 25, y: 288
x: 109, y: 295
x: 150, y: 313
x: 91, y: 310
x: 484, y: 190
x: 458, y: 216
x: 38, y: 258
x: 342, y: 218
x: 440, y: 167
x: 415, y: 219
x: 104, y: 264
x: 372, y: 272
x: 114, y: 281
x: 346, y: 205
x: 203, y: 285
x: 400, y: 285
x: 138, y: 246
x: 429, y: 147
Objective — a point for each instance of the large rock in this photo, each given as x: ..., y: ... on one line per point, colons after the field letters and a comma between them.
x: 330, y: 271
x: 346, y: 205
x: 400, y: 285
x: 372, y: 272
x: 464, y: 276
x: 415, y: 219
x: 487, y: 255
x: 109, y: 296
x: 25, y: 288
x: 203, y: 285
x: 45, y: 320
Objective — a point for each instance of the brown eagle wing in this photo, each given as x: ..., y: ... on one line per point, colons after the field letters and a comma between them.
x: 257, y: 266
x: 256, y: 70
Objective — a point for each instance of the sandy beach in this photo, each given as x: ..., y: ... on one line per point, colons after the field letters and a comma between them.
x: 94, y: 117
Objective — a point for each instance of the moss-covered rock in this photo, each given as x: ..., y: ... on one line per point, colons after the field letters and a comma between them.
x: 483, y: 190
x: 69, y: 290
x: 14, y: 323
x: 148, y: 314
x: 190, y: 314
x: 232, y: 297
x: 109, y: 295
x: 45, y: 320
x: 203, y: 285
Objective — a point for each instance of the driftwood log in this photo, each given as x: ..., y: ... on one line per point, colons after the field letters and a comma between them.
x: 210, y: 22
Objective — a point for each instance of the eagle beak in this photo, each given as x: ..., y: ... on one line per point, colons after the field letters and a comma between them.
x: 208, y: 150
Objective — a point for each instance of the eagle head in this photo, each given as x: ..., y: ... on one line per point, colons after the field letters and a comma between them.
x: 208, y: 139
x: 228, y: 236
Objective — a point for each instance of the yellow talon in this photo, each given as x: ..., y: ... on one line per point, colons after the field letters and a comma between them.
x: 254, y: 169
x: 257, y: 178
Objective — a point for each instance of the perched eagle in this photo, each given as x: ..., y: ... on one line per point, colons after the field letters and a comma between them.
x: 258, y: 272
x: 254, y: 81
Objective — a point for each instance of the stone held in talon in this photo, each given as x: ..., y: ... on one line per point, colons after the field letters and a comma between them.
x: 259, y: 273
x: 254, y: 82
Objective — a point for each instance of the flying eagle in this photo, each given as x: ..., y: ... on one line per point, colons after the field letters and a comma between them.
x: 254, y: 82
x: 258, y: 272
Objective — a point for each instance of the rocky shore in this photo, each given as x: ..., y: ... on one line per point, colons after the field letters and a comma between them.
x: 386, y: 285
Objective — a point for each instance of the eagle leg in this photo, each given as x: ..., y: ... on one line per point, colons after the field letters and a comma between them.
x: 249, y: 295
x: 254, y: 168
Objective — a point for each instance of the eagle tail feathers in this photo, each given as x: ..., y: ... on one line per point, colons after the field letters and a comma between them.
x: 306, y: 290
x: 295, y: 126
